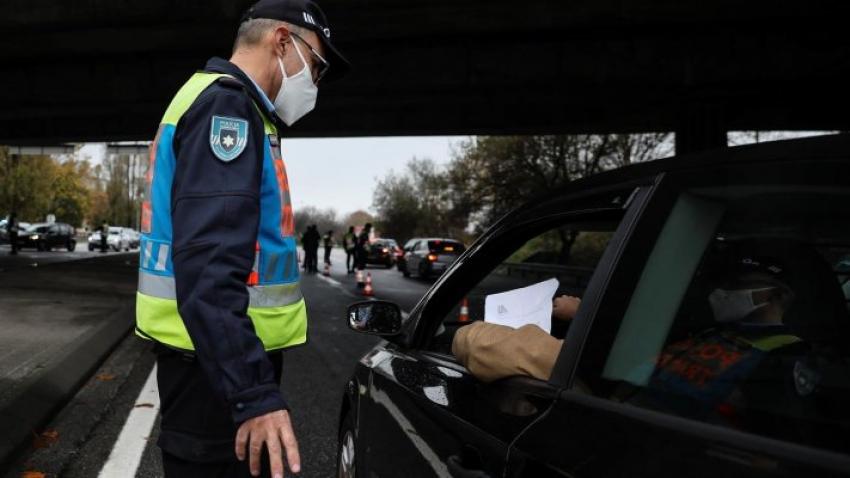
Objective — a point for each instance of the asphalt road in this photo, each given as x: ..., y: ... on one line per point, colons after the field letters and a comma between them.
x: 82, y: 438
x: 29, y: 257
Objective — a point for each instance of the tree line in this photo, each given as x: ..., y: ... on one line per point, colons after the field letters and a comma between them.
x: 74, y: 190
x: 490, y: 175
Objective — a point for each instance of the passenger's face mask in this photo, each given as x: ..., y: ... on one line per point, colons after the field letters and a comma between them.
x: 297, y: 94
x: 733, y: 305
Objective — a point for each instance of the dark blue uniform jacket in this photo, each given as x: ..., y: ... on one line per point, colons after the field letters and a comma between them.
x: 215, y: 212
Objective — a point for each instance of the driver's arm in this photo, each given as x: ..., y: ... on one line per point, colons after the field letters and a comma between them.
x: 491, y: 351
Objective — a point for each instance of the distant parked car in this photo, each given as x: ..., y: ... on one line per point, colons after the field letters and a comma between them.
x: 44, y: 237
x: 133, y: 237
x: 4, y: 234
x: 117, y: 240
x: 382, y: 251
x: 94, y: 240
x: 427, y: 257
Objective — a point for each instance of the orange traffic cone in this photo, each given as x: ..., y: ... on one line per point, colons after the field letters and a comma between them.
x: 359, y: 279
x: 327, y: 270
x: 367, y: 291
x: 464, y: 311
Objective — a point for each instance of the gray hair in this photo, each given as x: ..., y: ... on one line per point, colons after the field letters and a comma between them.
x: 251, y: 32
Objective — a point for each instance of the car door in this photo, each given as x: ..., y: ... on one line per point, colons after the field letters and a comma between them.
x: 619, y: 415
x: 423, y: 412
x: 53, y: 237
x: 412, y: 257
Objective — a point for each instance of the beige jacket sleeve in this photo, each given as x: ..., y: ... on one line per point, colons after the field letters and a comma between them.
x: 491, y: 351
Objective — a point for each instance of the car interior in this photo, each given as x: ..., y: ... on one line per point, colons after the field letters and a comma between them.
x: 803, y: 397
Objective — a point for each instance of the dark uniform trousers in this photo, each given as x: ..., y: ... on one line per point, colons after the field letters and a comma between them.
x: 197, y: 431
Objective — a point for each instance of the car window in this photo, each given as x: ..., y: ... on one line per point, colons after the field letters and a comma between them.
x: 740, y: 316
x: 573, y: 248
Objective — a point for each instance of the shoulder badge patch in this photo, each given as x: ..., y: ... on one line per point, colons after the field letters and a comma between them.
x: 228, y: 137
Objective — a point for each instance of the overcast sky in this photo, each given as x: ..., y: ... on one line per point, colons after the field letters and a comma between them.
x: 340, y: 173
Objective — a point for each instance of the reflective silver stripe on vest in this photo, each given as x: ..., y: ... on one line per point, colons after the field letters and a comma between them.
x: 162, y: 257
x: 277, y: 295
x: 157, y: 286
x: 146, y: 255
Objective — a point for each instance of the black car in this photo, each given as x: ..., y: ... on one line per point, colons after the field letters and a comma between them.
x: 429, y: 256
x: 45, y: 237
x: 640, y: 245
x: 382, y: 251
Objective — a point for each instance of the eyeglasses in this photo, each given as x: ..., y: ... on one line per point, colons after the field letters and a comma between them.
x: 320, y: 64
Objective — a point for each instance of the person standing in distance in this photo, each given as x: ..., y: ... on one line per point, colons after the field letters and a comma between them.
x: 219, y: 286
x: 363, y: 241
x: 104, y: 236
x: 310, y: 242
x: 349, y: 242
x: 328, y: 242
x: 12, y: 232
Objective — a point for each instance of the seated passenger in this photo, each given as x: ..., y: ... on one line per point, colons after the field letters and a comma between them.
x: 749, y: 356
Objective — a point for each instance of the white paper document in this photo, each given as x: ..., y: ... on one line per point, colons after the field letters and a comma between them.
x: 518, y: 307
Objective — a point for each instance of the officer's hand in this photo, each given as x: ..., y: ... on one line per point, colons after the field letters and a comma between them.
x: 565, y: 307
x: 275, y: 431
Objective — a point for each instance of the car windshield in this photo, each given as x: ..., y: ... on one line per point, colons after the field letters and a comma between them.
x: 38, y: 228
x: 450, y: 247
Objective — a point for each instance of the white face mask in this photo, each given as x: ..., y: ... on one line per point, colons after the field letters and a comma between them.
x: 297, y: 94
x: 732, y: 305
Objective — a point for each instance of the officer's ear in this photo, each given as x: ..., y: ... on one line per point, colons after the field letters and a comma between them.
x: 282, y: 39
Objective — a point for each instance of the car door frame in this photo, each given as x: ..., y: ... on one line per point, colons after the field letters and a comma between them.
x: 523, y: 388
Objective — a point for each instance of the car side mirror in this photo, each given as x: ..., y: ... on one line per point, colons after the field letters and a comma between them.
x: 376, y: 317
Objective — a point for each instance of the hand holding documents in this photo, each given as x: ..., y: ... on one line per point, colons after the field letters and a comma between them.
x: 518, y: 307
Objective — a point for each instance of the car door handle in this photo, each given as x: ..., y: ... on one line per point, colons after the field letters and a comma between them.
x: 457, y: 470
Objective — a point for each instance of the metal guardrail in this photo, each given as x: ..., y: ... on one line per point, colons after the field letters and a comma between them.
x: 566, y: 275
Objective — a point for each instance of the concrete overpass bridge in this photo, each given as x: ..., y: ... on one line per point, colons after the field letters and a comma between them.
x: 103, y: 70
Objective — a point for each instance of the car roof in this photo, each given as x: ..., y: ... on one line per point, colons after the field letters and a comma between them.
x: 443, y: 239
x: 833, y: 146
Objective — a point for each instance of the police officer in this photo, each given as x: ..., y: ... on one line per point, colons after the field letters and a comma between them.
x: 104, y: 236
x: 363, y: 240
x: 12, y: 232
x: 349, y: 242
x: 218, y: 280
x: 328, y: 242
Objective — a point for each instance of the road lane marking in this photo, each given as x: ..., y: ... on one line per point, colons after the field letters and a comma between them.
x: 127, y: 453
x: 335, y: 283
x: 431, y: 457
x: 338, y: 285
